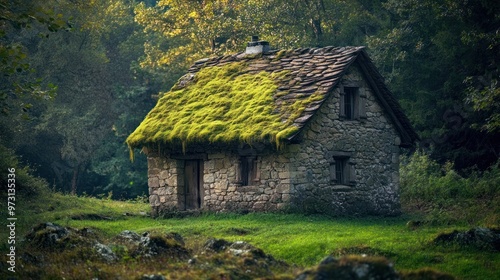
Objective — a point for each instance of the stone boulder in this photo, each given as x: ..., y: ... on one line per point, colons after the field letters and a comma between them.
x: 146, y: 245
x: 153, y: 277
x: 130, y: 237
x: 239, y: 248
x: 49, y: 236
x: 353, y: 268
x: 214, y: 245
x: 251, y: 257
x: 105, y: 252
x: 480, y: 238
x: 177, y: 237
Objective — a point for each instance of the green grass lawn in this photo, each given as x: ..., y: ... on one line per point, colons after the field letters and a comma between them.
x: 305, y: 240
x: 296, y: 239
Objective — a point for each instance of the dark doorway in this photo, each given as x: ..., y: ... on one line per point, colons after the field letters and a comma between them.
x: 193, y: 172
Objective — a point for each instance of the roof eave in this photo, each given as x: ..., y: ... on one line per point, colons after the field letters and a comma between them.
x: 402, y: 123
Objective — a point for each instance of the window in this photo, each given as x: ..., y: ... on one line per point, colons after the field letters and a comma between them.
x: 350, y: 98
x: 352, y: 103
x: 248, y: 173
x: 342, y: 171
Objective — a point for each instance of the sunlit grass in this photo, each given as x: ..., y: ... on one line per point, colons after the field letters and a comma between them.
x: 296, y: 239
x: 305, y: 240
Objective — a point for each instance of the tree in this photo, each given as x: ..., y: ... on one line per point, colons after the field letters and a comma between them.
x: 92, y: 68
x: 180, y: 32
x: 20, y: 23
x: 432, y: 49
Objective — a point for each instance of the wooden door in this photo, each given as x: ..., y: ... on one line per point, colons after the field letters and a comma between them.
x: 192, y: 193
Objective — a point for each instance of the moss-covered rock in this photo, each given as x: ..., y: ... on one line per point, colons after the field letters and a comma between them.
x: 146, y: 245
x: 52, y: 236
x: 67, y: 243
x: 479, y: 238
x: 216, y: 245
x: 352, y: 267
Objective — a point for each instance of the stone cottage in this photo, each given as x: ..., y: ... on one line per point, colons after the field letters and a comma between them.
x: 312, y: 130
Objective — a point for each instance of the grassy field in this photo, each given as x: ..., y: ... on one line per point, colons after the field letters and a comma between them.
x: 295, y: 239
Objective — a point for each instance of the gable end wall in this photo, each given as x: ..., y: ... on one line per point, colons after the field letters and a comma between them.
x: 371, y: 142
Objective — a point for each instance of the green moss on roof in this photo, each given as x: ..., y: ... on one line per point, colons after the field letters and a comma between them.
x: 223, y: 104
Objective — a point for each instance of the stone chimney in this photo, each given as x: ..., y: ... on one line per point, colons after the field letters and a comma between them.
x: 256, y: 46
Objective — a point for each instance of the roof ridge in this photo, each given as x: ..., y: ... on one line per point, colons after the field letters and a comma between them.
x: 298, y: 81
x: 310, y: 50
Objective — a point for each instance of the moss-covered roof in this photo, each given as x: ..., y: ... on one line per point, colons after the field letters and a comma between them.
x: 248, y: 98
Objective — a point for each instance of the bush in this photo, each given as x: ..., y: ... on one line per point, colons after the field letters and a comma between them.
x: 486, y: 184
x: 26, y: 183
x: 423, y: 179
x: 444, y: 196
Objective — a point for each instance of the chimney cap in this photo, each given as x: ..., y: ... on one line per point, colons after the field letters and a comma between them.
x: 255, y: 46
x: 255, y: 42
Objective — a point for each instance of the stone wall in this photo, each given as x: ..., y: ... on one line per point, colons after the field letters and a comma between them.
x: 221, y: 190
x: 373, y: 144
x: 297, y: 177
x: 166, y: 182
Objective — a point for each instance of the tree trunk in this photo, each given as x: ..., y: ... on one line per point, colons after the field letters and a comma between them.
x: 74, y: 180
x: 318, y: 32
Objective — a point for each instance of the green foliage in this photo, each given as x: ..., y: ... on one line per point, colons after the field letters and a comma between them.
x: 224, y: 104
x: 180, y: 32
x: 439, y: 58
x: 447, y: 195
x: 111, y: 161
x: 484, y: 94
x: 25, y: 182
x: 77, y: 141
x: 424, y: 179
x: 21, y: 23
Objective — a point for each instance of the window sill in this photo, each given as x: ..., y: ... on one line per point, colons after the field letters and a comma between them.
x: 352, y: 120
x: 251, y: 188
x: 342, y: 187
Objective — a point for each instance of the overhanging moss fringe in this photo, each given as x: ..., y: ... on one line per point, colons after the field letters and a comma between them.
x: 223, y: 104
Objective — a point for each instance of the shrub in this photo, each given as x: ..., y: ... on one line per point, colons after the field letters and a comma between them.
x: 486, y: 184
x: 423, y: 179
x: 25, y: 182
x: 418, y: 173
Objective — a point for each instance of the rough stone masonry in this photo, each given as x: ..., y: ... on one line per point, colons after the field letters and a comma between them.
x: 297, y: 177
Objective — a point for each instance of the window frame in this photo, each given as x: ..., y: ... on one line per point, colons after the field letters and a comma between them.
x: 342, y: 165
x: 341, y: 170
x: 352, y: 102
x: 248, y: 171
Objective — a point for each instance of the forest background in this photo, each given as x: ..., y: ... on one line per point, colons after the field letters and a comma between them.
x: 77, y: 77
